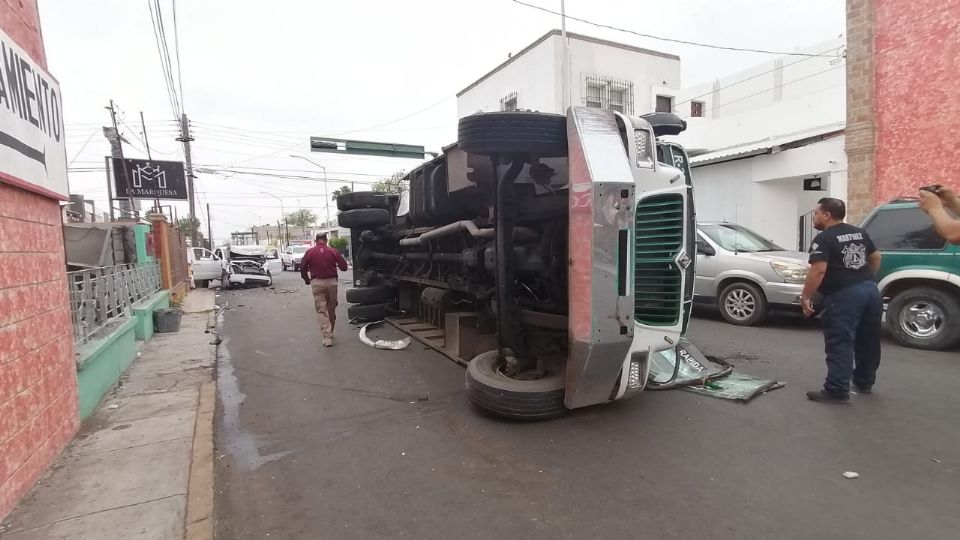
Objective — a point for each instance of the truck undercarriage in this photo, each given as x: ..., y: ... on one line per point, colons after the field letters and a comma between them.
x: 597, y: 221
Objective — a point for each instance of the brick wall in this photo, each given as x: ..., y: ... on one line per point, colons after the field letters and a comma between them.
x: 917, y: 64
x: 860, y: 141
x: 38, y: 381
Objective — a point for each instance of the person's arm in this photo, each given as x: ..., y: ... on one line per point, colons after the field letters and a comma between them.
x: 811, y: 284
x: 873, y: 261
x: 305, y: 266
x: 946, y: 225
x: 950, y: 200
x: 341, y: 262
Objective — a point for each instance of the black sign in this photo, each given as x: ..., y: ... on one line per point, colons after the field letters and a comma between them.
x: 149, y: 179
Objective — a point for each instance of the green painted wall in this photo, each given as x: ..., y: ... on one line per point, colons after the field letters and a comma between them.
x: 143, y: 312
x: 140, y: 235
x: 101, y: 364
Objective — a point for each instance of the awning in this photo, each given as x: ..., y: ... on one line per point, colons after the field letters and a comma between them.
x: 762, y: 147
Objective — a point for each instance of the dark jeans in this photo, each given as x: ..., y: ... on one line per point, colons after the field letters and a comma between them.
x: 851, y: 334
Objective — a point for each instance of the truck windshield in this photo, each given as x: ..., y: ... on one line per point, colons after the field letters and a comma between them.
x: 738, y: 239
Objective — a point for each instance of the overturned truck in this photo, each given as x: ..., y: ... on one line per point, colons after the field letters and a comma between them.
x: 552, y: 255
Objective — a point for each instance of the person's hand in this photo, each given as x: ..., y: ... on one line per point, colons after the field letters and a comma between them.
x: 947, y: 194
x: 807, y: 305
x: 306, y: 281
x: 929, y: 201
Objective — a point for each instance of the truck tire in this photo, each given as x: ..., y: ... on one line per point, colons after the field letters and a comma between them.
x: 363, y: 218
x: 924, y: 318
x: 202, y: 283
x: 742, y: 304
x: 362, y: 199
x: 370, y: 295
x: 513, y: 132
x: 369, y: 312
x: 494, y: 392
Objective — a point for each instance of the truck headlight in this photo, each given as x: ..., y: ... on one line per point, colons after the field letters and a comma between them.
x: 790, y: 273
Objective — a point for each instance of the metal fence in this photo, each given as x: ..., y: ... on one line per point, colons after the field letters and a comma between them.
x: 103, y: 295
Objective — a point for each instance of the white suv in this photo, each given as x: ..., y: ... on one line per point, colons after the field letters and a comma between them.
x: 290, y: 258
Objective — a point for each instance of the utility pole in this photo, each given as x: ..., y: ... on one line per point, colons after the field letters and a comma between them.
x: 146, y: 142
x: 116, y: 151
x: 209, y: 227
x: 565, y: 58
x: 185, y: 138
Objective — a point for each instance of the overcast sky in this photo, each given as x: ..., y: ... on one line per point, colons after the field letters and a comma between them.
x: 260, y: 77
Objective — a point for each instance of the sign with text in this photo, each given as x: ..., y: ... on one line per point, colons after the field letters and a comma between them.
x: 33, y: 152
x: 149, y: 179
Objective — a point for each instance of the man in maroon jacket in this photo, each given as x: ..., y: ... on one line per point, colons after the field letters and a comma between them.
x: 318, y: 268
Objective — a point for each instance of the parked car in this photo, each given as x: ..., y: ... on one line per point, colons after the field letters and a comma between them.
x: 919, y: 276
x: 291, y: 257
x: 745, y: 274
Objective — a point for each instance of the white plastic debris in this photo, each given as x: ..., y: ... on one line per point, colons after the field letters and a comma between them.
x: 851, y: 474
x: 382, y: 343
x: 113, y: 406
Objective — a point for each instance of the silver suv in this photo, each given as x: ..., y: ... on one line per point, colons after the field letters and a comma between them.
x: 745, y: 274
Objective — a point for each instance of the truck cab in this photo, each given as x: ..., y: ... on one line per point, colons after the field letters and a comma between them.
x: 551, y: 255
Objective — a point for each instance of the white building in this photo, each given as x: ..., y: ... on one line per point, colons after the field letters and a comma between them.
x: 756, y: 138
x: 767, y: 143
x: 602, y: 74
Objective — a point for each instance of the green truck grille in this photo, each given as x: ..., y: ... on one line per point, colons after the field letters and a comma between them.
x: 658, y: 294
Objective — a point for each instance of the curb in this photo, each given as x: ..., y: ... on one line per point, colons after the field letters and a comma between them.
x: 199, y: 522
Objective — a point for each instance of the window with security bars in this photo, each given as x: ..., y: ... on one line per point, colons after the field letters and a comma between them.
x: 607, y: 93
x: 509, y: 102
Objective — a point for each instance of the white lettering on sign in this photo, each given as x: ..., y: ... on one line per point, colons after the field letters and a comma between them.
x: 849, y: 237
x: 33, y: 148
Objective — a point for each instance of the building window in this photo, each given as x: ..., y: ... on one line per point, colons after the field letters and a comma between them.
x: 607, y: 93
x: 664, y: 104
x: 696, y: 109
x: 509, y: 102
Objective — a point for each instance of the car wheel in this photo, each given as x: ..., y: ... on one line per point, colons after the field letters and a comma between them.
x: 296, y: 268
x: 513, y: 132
x: 283, y: 266
x: 362, y: 199
x: 370, y: 312
x: 924, y: 318
x: 370, y: 295
x: 363, y: 217
x: 742, y: 304
x: 489, y: 388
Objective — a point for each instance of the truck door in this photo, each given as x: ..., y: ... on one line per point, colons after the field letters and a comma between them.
x: 205, y: 265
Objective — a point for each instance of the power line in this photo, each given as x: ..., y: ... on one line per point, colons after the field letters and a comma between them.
x: 661, y: 38
x: 168, y: 81
x: 176, y: 42
x: 717, y: 106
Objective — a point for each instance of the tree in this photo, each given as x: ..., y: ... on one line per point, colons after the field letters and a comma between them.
x: 302, y: 218
x: 188, y: 226
x: 342, y: 190
x: 394, y: 184
x: 338, y: 243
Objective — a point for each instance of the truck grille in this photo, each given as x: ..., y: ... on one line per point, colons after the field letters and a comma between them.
x: 657, y: 292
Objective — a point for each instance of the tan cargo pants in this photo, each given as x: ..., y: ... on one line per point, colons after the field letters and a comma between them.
x: 325, y: 302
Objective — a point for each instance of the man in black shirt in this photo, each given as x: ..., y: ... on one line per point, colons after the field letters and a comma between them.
x: 843, y: 262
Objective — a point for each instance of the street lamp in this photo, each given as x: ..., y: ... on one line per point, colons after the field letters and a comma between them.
x: 326, y: 192
x: 282, y: 213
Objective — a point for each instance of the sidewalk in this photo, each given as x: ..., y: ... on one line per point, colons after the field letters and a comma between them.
x: 128, y: 472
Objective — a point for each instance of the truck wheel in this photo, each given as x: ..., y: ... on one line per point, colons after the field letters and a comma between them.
x: 516, y: 399
x: 361, y: 199
x: 742, y: 304
x: 363, y: 217
x: 370, y: 312
x: 540, y: 134
x: 202, y: 283
x: 924, y: 318
x: 370, y: 295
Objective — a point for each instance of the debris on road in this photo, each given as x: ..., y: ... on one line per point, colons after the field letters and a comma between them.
x: 395, y: 345
x: 851, y: 474
x: 686, y: 367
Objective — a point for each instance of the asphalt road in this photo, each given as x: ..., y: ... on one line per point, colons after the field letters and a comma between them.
x: 352, y: 442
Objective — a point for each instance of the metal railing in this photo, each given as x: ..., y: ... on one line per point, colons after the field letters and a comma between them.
x: 103, y: 295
